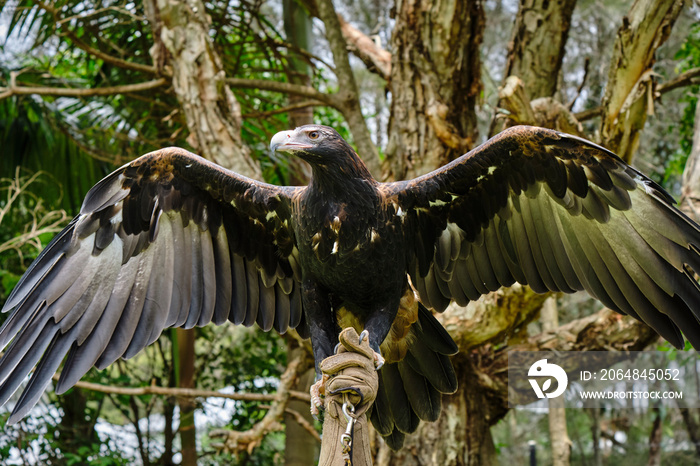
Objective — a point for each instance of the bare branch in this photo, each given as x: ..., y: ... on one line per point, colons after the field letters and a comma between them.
x: 372, y: 55
x: 49, y: 222
x: 285, y: 88
x: 285, y: 109
x: 6, y: 92
x: 301, y: 420
x: 185, y: 392
x: 88, y: 14
x: 588, y: 114
x: 248, y: 440
x: 586, y: 65
x: 686, y: 78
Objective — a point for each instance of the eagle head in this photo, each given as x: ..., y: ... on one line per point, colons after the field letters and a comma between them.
x: 322, y: 147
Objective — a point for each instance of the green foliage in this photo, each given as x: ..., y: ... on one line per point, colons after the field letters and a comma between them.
x: 248, y: 360
x: 93, y: 455
x: 28, y: 221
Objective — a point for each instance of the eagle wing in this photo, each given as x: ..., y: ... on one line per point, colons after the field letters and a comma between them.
x: 558, y: 213
x: 168, y: 240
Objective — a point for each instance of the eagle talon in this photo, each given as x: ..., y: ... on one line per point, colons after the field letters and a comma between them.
x: 378, y: 360
x: 317, y: 396
x: 337, y: 347
x: 363, y: 335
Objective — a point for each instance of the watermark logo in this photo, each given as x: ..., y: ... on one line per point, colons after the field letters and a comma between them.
x: 608, y: 379
x: 542, y: 368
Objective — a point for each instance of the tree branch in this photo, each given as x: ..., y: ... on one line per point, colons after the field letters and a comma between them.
x: 185, y: 392
x: 372, y: 55
x: 248, y: 440
x: 301, y: 420
x: 285, y: 88
x: 11, y: 90
x: 288, y: 108
x: 495, y: 318
x: 686, y: 78
x: 626, y: 102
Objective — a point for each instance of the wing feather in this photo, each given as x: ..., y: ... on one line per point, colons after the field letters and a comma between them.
x: 167, y: 240
x: 558, y: 213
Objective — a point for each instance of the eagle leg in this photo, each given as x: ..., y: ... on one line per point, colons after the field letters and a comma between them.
x: 323, y: 333
x: 323, y: 330
x: 377, y: 328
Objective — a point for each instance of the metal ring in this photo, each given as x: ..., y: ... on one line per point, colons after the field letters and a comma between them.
x: 348, y: 417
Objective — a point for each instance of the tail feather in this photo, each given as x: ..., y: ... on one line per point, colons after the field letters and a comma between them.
x: 436, y: 368
x: 405, y: 418
x: 434, y: 334
x: 381, y: 416
x: 411, y: 389
x: 425, y: 400
x: 395, y: 440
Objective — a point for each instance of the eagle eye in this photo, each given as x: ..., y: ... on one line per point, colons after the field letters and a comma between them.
x: 313, y: 135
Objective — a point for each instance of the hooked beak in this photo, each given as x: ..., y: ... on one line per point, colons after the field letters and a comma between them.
x: 285, y: 141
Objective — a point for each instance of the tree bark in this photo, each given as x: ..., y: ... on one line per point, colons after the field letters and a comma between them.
x: 558, y: 435
x: 297, y: 28
x: 655, y: 440
x: 630, y: 88
x: 435, y: 84
x: 536, y: 50
x: 596, y: 434
x: 212, y: 113
x: 185, y: 379
x: 690, y: 192
x: 301, y: 448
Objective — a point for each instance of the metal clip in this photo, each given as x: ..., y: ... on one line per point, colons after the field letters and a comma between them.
x: 346, y: 438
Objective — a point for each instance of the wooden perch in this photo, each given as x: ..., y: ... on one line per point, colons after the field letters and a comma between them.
x: 350, y: 377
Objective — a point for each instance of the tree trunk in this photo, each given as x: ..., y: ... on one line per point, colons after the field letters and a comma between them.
x: 435, y: 84
x: 75, y: 430
x: 595, y: 434
x: 300, y: 447
x: 169, y: 435
x: 537, y: 46
x: 629, y: 91
x: 655, y: 440
x: 184, y: 362
x: 297, y: 27
x: 212, y: 113
x: 558, y: 435
x: 690, y: 192
x: 536, y: 51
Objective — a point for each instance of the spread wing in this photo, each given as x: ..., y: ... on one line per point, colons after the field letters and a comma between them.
x: 169, y: 240
x: 558, y: 213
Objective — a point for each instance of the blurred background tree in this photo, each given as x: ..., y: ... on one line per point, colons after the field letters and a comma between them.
x: 86, y: 86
